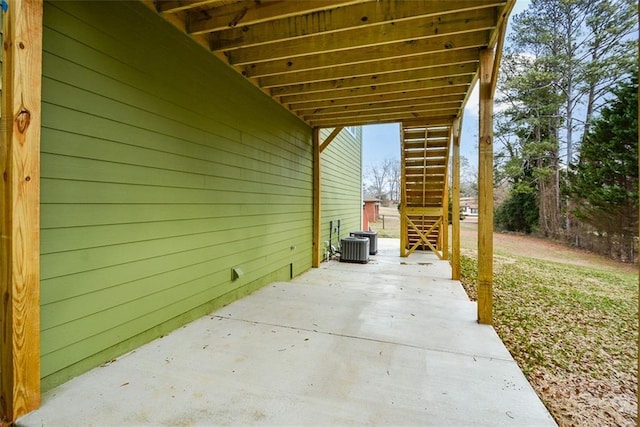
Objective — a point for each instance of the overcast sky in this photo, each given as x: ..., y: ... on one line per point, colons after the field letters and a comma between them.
x: 382, y: 142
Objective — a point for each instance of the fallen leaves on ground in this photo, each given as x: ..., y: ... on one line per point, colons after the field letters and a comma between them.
x: 573, y: 332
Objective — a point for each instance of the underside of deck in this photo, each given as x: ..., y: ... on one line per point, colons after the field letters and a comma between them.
x: 390, y: 342
x: 330, y: 63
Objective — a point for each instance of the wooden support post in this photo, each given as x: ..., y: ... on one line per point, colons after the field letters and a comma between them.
x: 485, y: 190
x: 404, y: 237
x: 444, y: 228
x: 317, y: 196
x: 455, y: 203
x: 20, y: 208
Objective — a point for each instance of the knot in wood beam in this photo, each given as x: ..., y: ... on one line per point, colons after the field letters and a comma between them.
x: 486, y: 141
x: 23, y: 119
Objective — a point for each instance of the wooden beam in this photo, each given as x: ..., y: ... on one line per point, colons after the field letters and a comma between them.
x: 420, y: 94
x: 384, y: 52
x: 423, y: 210
x: 340, y: 19
x: 330, y: 138
x: 429, y: 78
x: 497, y: 37
x: 498, y: 56
x: 317, y: 198
x: 439, y: 116
x: 404, y: 239
x: 453, y: 23
x: 485, y: 190
x: 417, y: 107
x: 455, y: 202
x: 398, y: 113
x: 251, y: 12
x: 451, y: 100
x: 440, y: 82
x: 445, y: 207
x: 384, y: 118
x: 179, y: 23
x: 502, y: 18
x: 429, y: 122
x: 173, y: 6
x: 420, y: 67
x: 20, y: 209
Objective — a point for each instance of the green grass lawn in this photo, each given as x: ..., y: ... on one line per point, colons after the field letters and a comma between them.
x: 573, y: 331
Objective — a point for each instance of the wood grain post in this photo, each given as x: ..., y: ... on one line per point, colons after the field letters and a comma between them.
x: 455, y: 202
x: 485, y: 190
x: 404, y: 231
x: 317, y: 196
x: 444, y: 227
x: 20, y: 201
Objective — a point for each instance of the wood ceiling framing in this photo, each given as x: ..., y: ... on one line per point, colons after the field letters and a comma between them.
x: 350, y: 62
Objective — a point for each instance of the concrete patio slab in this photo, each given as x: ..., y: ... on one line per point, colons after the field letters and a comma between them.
x: 392, y: 342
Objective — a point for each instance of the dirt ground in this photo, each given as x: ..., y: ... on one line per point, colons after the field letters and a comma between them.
x: 509, y: 243
x: 528, y: 246
x: 389, y: 223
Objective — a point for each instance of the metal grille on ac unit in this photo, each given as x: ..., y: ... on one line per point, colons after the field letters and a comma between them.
x: 354, y: 249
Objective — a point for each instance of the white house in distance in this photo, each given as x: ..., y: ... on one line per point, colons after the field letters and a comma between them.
x: 469, y: 206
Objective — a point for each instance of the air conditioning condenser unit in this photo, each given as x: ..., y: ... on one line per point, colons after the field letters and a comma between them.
x: 354, y: 249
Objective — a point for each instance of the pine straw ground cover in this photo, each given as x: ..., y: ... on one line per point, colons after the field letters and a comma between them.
x: 573, y: 331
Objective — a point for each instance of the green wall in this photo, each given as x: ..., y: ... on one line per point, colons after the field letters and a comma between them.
x: 161, y: 170
x: 341, y: 177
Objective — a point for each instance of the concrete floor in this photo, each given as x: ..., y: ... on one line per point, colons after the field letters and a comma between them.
x: 392, y: 342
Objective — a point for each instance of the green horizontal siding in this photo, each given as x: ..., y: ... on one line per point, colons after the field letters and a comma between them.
x: 162, y: 169
x: 341, y: 185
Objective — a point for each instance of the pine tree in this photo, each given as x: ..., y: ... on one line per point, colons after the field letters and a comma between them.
x: 604, y: 184
x: 563, y: 56
x: 528, y: 128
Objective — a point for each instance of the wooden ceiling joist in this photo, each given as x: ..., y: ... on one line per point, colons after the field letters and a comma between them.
x: 440, y: 114
x: 416, y: 107
x: 383, y: 83
x: 405, y: 103
x: 249, y: 12
x: 369, y: 36
x: 441, y: 82
x: 415, y: 68
x: 173, y: 6
x: 350, y: 62
x: 369, y: 54
x: 355, y: 16
x: 458, y: 90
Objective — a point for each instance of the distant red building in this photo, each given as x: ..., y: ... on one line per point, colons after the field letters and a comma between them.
x: 370, y: 212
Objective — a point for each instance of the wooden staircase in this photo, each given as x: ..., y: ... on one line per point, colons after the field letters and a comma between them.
x: 424, y: 193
